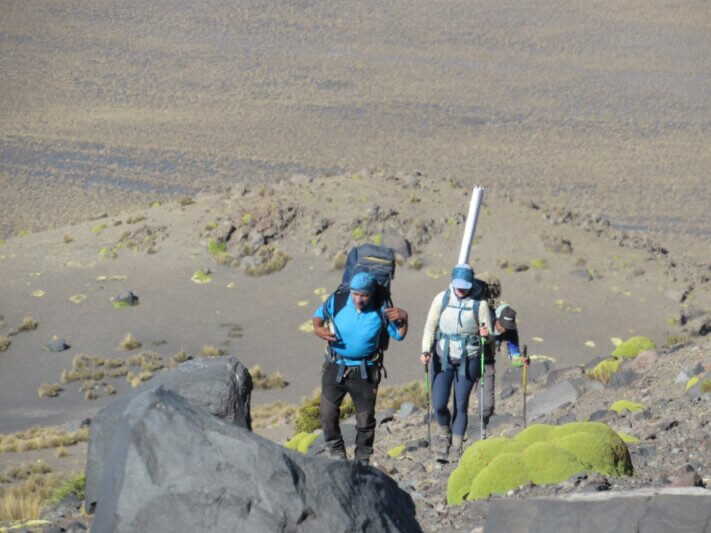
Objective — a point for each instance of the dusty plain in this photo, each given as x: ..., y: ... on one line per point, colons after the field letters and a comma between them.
x: 587, y: 122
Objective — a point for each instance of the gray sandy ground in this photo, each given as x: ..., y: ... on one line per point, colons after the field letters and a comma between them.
x: 562, y: 316
x: 601, y: 107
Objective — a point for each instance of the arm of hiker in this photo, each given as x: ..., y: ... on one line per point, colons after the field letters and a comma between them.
x: 322, y: 330
x: 398, y: 317
x: 428, y: 333
x: 485, y: 327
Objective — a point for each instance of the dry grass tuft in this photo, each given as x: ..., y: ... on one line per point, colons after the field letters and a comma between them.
x: 98, y: 361
x: 80, y: 361
x: 264, y: 382
x: 24, y: 471
x: 114, y: 363
x: 211, y: 351
x: 272, y: 260
x: 38, y: 438
x: 91, y: 395
x: 28, y: 324
x: 4, y: 343
x: 49, y: 390
x: 180, y: 357
x: 23, y: 501
x: 273, y: 414
x: 61, y: 452
x: 117, y: 372
x: 109, y: 390
x: 129, y: 343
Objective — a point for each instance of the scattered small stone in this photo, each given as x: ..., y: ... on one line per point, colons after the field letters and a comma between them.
x: 57, y: 345
x: 668, y: 424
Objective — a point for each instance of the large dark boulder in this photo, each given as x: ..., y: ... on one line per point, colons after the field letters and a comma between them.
x: 175, y: 468
x: 221, y: 386
x: 644, y: 511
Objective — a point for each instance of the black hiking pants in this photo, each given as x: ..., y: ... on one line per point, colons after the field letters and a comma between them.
x: 363, y: 392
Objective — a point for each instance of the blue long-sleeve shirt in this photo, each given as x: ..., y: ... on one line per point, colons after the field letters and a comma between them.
x: 510, y: 337
x: 357, y: 331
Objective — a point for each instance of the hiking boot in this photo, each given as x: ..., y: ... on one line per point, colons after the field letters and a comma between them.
x: 444, y: 441
x: 457, y: 445
x: 337, y: 453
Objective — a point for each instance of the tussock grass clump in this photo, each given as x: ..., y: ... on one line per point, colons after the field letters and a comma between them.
x: 117, y: 372
x: 24, y: 471
x: 23, y: 501
x: 186, y: 201
x: 4, y: 343
x: 273, y: 414
x: 109, y: 390
x: 272, y: 260
x: 180, y: 357
x: 113, y: 363
x: 393, y: 396
x: 28, y: 324
x: 98, y: 229
x: 75, y: 485
x: 135, y: 219
x: 150, y: 361
x: 202, y: 276
x: 39, y: 438
x: 129, y: 343
x: 91, y: 395
x: 61, y: 452
x: 262, y: 381
x: 212, y: 351
x: 98, y: 361
x: 49, y: 390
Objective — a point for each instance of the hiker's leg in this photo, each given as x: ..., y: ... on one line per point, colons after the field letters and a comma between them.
x: 441, y: 387
x: 332, y: 394
x: 364, y: 392
x: 462, y: 389
x: 489, y: 399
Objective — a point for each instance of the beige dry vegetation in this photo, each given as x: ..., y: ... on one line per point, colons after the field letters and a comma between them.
x: 179, y: 357
x: 4, y: 343
x: 24, y: 471
x: 22, y: 501
x: 28, y: 324
x: 61, y: 452
x: 129, y: 343
x: 49, y: 390
x: 261, y: 380
x: 38, y: 438
x: 211, y: 351
x: 273, y: 414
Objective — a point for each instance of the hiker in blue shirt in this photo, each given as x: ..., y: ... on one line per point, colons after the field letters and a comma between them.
x: 353, y: 365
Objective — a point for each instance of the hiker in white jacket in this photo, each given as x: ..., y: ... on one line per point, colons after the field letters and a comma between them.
x: 456, y: 328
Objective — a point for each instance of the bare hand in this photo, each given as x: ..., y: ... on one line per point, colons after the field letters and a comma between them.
x: 425, y: 358
x: 322, y: 330
x: 396, y: 314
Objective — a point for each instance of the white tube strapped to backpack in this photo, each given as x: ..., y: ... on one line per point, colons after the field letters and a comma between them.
x: 470, y: 225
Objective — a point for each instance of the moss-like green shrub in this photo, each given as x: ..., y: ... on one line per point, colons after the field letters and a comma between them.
x: 505, y: 472
x: 539, y: 264
x: 628, y: 439
x: 597, y: 444
x: 706, y: 386
x: 547, y: 463
x: 377, y: 239
x: 633, y: 346
x: 308, y: 418
x: 358, y: 233
x: 214, y: 247
x: 535, y: 433
x: 246, y: 219
x: 294, y: 441
x: 396, y: 451
x: 542, y: 454
x: 306, y: 442
x: 604, y: 370
x: 98, y: 229
x: 202, y: 276
x: 632, y: 407
x: 693, y: 381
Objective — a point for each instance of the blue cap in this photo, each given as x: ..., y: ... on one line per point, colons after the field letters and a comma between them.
x: 363, y: 282
x: 462, y: 277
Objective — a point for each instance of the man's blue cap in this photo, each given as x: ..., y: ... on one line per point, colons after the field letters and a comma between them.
x: 462, y: 277
x: 363, y: 282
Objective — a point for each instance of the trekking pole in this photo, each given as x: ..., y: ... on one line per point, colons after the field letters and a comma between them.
x: 525, y: 354
x: 427, y: 401
x: 481, y: 392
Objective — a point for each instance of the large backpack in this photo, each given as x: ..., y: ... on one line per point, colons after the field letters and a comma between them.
x: 378, y: 261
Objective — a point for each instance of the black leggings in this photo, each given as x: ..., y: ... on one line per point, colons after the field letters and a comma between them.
x: 363, y: 392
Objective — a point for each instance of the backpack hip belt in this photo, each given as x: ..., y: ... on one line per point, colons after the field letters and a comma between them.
x: 464, y: 341
x: 335, y: 358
